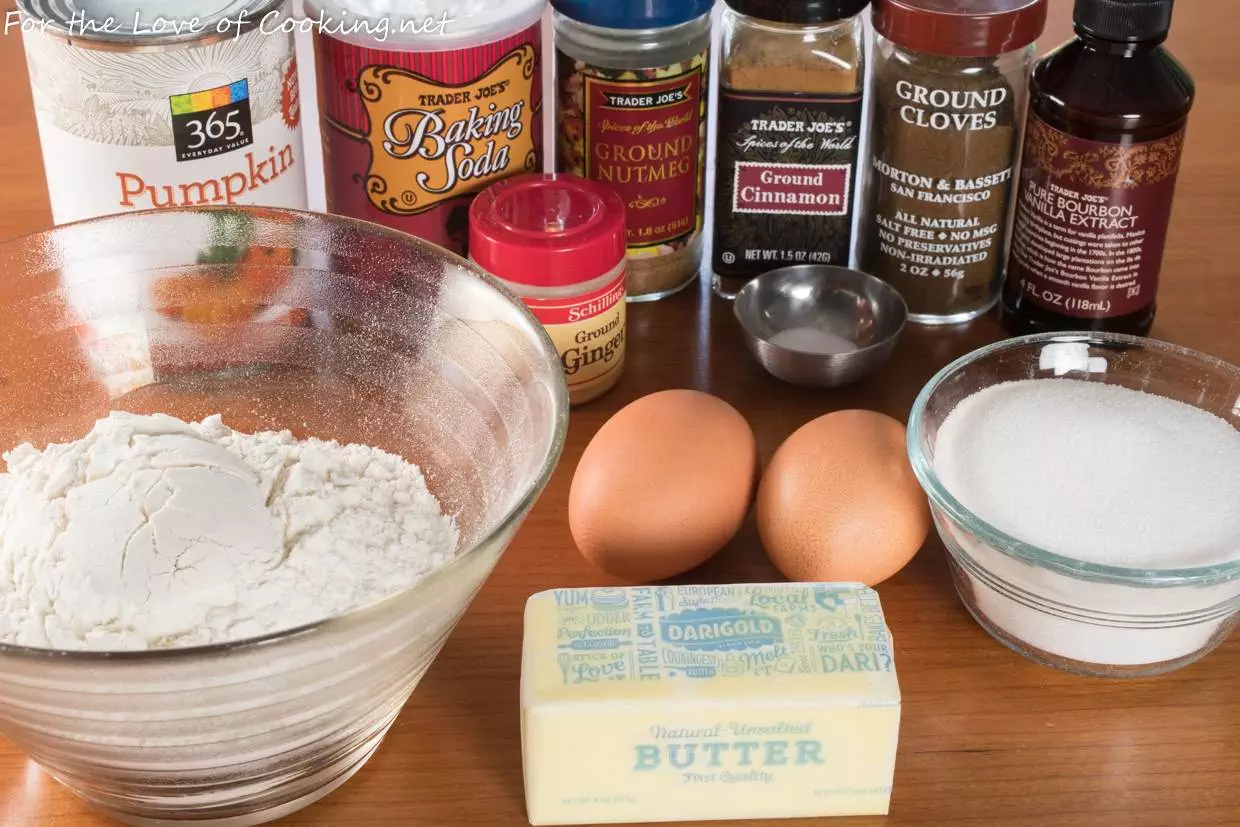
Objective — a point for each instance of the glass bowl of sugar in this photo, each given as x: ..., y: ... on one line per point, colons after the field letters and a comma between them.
x: 1086, y: 487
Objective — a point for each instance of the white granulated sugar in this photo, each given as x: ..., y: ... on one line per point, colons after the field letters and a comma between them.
x: 1097, y: 472
x: 150, y: 532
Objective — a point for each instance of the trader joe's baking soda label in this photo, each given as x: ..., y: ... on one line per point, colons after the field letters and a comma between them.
x: 211, y: 124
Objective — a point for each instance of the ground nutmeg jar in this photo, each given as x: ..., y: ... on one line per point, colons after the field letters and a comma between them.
x: 947, y: 102
x: 558, y: 242
x: 789, y: 117
x: 631, y: 89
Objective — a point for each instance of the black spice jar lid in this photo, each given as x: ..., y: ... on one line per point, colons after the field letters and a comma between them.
x: 804, y: 12
x: 961, y: 28
x: 1125, y: 21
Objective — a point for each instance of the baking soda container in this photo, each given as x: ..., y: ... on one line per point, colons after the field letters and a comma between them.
x: 422, y: 107
x: 558, y: 242
x: 164, y: 105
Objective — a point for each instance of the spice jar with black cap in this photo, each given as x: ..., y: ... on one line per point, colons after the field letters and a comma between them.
x: 947, y: 104
x: 789, y: 122
x: 1107, y: 114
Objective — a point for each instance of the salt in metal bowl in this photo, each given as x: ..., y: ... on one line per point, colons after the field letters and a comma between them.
x: 820, y: 326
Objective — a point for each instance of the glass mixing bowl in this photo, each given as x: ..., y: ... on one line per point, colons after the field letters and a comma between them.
x: 1080, y: 617
x: 328, y: 327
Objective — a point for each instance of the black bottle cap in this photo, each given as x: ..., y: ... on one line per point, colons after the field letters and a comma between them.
x: 1125, y: 21
x: 805, y: 12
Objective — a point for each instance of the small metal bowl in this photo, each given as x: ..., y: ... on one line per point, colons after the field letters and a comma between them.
x: 819, y: 326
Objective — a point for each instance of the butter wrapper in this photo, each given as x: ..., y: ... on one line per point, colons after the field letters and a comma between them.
x: 676, y: 703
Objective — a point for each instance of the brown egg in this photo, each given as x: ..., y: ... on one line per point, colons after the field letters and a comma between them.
x: 839, y: 501
x: 664, y: 484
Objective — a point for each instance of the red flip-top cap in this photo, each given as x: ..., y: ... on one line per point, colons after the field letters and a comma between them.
x: 547, y: 230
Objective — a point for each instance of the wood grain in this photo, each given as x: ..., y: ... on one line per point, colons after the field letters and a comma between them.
x: 988, y: 738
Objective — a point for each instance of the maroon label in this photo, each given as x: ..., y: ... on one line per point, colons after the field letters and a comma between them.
x: 1091, y: 222
x: 791, y: 189
x: 410, y: 137
x: 642, y: 138
x: 783, y: 192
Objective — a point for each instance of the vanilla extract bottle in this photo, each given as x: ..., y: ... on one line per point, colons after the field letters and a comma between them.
x: 1106, y: 126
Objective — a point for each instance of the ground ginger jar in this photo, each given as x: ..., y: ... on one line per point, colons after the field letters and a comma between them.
x: 558, y: 242
x: 632, y: 93
x: 947, y: 102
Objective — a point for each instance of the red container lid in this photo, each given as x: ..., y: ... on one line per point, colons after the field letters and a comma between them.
x: 547, y: 230
x: 961, y: 28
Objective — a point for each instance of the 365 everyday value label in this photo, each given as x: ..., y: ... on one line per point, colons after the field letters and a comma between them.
x: 125, y: 131
x: 1091, y: 222
x: 784, y: 188
x: 588, y: 332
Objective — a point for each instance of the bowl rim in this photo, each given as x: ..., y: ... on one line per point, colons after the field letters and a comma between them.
x: 826, y: 271
x: 515, y: 514
x: 999, y: 540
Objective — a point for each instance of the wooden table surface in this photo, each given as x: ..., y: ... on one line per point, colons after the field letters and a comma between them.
x: 987, y: 738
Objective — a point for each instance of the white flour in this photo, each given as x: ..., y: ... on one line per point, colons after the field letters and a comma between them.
x: 154, y: 533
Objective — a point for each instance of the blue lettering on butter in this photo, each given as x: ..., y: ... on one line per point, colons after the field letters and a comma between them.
x: 746, y: 747
x: 572, y: 597
x: 856, y: 662
x: 592, y: 672
x: 647, y: 757
x: 681, y: 756
x: 642, y: 603
x: 710, y: 754
x: 720, y: 629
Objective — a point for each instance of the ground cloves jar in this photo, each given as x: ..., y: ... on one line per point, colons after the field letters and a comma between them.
x: 631, y: 89
x: 558, y: 242
x: 947, y: 102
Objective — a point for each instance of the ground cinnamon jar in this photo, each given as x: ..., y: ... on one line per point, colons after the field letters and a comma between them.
x: 789, y: 117
x: 947, y: 102
x: 559, y: 242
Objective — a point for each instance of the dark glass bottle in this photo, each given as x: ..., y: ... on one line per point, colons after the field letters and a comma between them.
x: 1107, y: 113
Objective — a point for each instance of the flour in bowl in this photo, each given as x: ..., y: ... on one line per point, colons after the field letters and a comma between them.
x: 150, y: 532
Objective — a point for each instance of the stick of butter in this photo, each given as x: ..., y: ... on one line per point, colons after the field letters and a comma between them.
x: 676, y: 703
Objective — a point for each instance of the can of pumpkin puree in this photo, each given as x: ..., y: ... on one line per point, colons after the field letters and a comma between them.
x: 422, y: 106
x: 152, y: 104
x: 191, y: 291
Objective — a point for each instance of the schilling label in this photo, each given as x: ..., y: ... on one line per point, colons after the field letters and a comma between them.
x: 1091, y: 222
x: 643, y: 139
x: 588, y: 332
x: 411, y: 137
x: 209, y: 123
x: 784, y: 190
